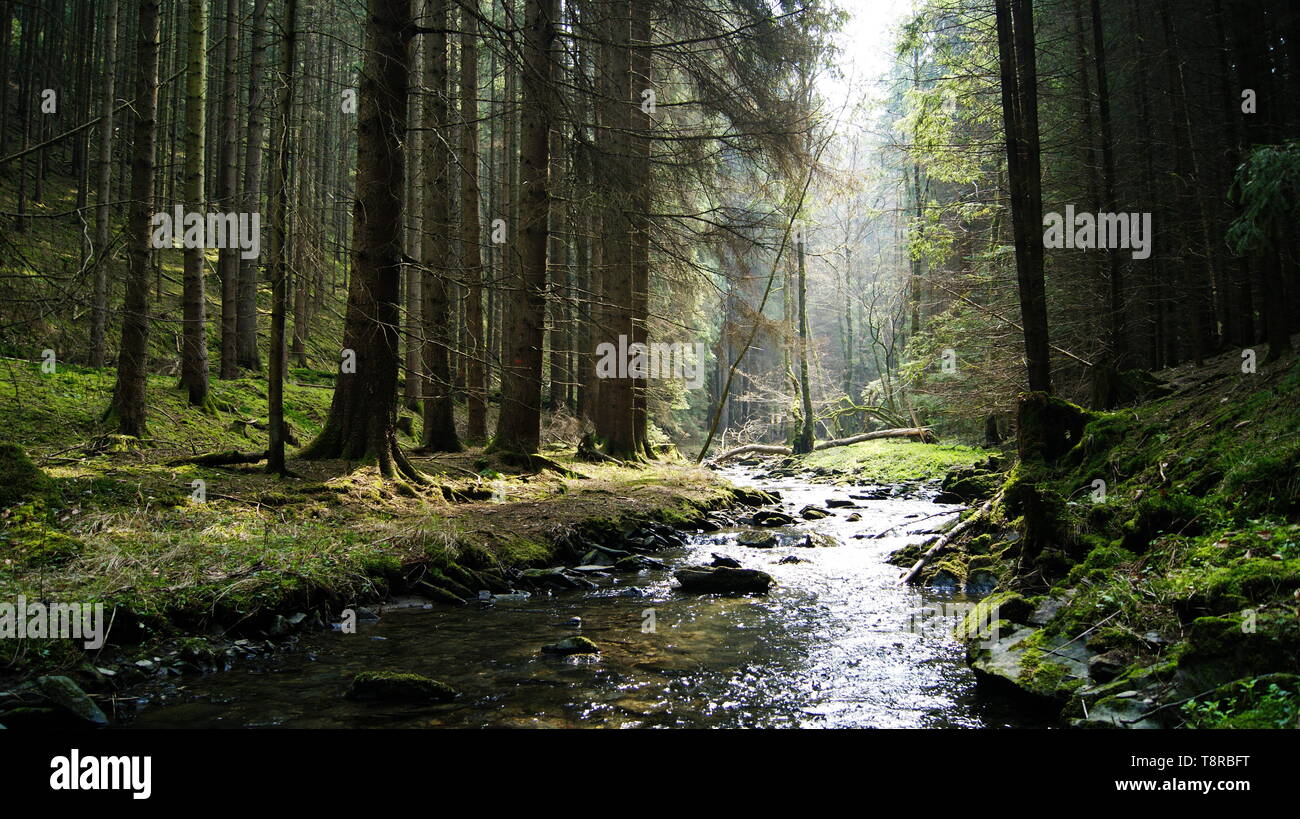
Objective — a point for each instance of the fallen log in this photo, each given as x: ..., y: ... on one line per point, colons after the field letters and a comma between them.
x: 221, y: 459
x: 922, y: 434
x: 943, y: 540
x: 766, y: 449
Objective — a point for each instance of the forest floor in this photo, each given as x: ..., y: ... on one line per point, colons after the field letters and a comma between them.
x: 107, y: 520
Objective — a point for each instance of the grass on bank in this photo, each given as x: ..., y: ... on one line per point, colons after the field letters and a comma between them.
x: 119, y: 523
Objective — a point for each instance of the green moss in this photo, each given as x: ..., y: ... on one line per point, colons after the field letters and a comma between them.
x: 1221, y: 649
x: 20, y: 479
x: 891, y: 461
x: 1246, y: 583
x: 30, y: 537
x: 1159, y: 513
x: 398, y: 686
x: 1003, y: 607
x: 1267, y: 480
x: 1096, y: 567
x: 1270, y: 701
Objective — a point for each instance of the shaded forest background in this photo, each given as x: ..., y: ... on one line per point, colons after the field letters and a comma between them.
x: 471, y: 197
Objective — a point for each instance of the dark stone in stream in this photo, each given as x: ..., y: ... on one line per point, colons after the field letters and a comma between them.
x: 811, y: 512
x: 854, y: 517
x: 755, y: 497
x: 791, y: 559
x: 840, y: 503
x: 723, y: 560
x: 944, y: 579
x: 636, y: 563
x: 980, y: 582
x: 571, y: 645
x: 67, y: 695
x: 393, y: 686
x: 872, y: 493
x: 814, y: 539
x: 756, y: 540
x: 723, y: 579
x: 767, y: 517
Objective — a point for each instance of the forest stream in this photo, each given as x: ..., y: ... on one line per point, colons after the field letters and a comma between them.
x: 836, y: 643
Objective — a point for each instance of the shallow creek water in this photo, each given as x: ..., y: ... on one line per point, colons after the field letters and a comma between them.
x: 834, y: 644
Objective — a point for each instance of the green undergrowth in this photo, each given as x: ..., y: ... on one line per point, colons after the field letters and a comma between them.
x: 892, y: 461
x: 176, y: 548
x: 1169, y: 535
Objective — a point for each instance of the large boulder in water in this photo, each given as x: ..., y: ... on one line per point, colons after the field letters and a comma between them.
x: 572, y: 645
x: 394, y: 686
x: 770, y: 518
x: 66, y: 694
x: 723, y: 579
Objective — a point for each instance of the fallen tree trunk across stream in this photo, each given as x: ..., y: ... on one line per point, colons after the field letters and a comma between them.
x: 922, y: 434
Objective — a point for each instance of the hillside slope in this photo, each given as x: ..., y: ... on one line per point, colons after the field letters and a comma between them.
x: 1149, y: 575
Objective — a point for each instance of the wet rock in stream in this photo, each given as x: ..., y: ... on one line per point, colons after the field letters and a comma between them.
x: 723, y: 579
x: 394, y: 686
x: 571, y: 645
x: 756, y: 540
x: 767, y: 517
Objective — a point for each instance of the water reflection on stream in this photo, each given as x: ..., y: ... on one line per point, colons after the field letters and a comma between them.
x: 829, y: 646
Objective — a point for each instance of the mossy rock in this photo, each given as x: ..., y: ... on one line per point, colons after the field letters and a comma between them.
x: 1159, y: 513
x: 1040, y: 510
x: 1048, y: 427
x: 20, y: 479
x: 1005, y: 605
x: 1222, y: 649
x: 1247, y: 583
x: 66, y: 694
x: 971, y: 483
x: 29, y: 537
x: 394, y: 686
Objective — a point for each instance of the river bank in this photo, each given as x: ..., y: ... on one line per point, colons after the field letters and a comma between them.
x: 1147, y: 560
x: 204, y: 567
x: 835, y: 641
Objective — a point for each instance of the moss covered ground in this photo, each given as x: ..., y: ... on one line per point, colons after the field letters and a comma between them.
x: 1167, y: 539
x: 179, y: 548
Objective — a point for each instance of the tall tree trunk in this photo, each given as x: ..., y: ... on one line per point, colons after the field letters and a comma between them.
x: 614, y: 416
x: 194, y: 348
x: 1106, y: 379
x: 471, y: 260
x: 133, y: 360
x: 803, y: 442
x: 363, y: 416
x: 99, y: 314
x: 641, y: 79
x: 519, y: 424
x: 247, y: 351
x: 413, y: 274
x: 227, y: 193
x: 279, y: 240
x: 439, y: 433
x: 1018, y: 63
